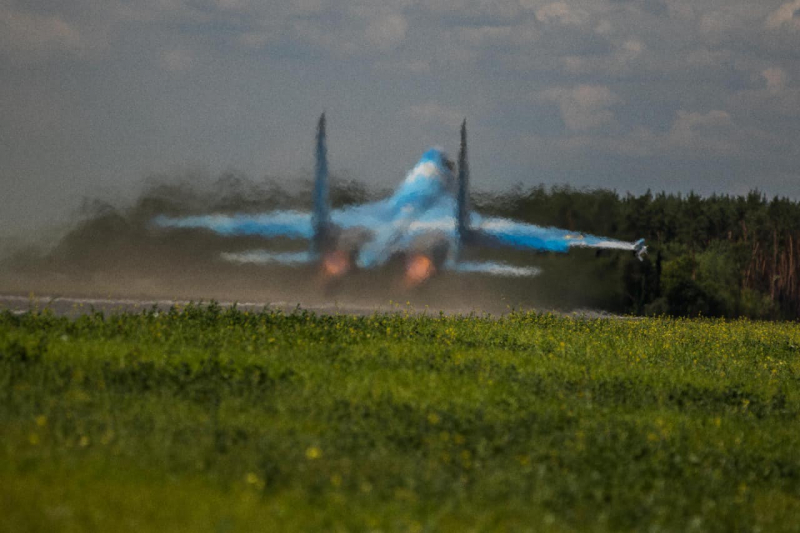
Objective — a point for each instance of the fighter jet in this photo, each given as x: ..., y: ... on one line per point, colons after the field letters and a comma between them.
x: 427, y: 222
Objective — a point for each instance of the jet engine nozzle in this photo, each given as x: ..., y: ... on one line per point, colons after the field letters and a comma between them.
x: 335, y: 264
x: 338, y: 256
x: 419, y: 268
x: 426, y: 256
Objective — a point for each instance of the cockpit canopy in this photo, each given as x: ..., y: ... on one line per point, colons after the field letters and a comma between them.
x: 430, y: 179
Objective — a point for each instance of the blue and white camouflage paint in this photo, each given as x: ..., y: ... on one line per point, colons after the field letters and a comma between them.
x: 426, y: 203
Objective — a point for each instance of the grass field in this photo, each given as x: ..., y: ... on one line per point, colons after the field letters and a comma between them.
x: 207, y: 419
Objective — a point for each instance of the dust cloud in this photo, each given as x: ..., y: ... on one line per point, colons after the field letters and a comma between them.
x: 114, y: 251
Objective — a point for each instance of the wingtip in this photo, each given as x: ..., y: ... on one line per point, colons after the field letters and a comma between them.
x: 640, y: 249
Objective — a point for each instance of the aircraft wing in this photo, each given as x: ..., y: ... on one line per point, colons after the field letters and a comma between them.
x: 493, y: 268
x: 288, y: 224
x: 291, y: 224
x: 505, y: 232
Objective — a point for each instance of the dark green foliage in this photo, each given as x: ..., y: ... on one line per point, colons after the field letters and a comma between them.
x: 722, y: 255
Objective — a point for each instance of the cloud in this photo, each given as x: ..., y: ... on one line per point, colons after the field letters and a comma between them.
x: 37, y: 35
x: 787, y: 15
x: 413, y: 66
x: 583, y: 107
x: 178, y: 59
x: 478, y: 36
x: 562, y: 13
x: 604, y: 27
x: 256, y: 39
x: 621, y: 59
x: 685, y: 10
x: 165, y: 11
x: 85, y: 29
x: 433, y: 113
x: 361, y: 29
x: 775, y: 78
x: 700, y: 80
x: 481, y: 11
x: 386, y: 32
x: 692, y: 135
x: 776, y: 101
x: 706, y: 131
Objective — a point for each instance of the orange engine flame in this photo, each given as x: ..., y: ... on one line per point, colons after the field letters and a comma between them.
x: 418, y: 269
x: 335, y: 264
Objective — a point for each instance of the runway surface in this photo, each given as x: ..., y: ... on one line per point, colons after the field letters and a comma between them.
x: 76, y: 306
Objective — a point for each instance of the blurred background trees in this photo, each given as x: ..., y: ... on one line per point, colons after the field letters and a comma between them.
x: 712, y: 256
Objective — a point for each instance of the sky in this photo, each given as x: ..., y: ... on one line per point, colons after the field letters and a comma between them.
x: 97, y: 96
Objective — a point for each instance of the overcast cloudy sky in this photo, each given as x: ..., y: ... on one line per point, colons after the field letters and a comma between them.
x: 673, y: 95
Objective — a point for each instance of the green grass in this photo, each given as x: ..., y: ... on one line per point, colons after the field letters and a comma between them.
x: 206, y: 419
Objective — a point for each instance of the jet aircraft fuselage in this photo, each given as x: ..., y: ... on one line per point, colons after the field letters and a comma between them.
x: 427, y: 219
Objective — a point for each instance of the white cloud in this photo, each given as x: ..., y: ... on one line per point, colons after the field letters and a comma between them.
x: 310, y: 6
x: 787, y: 14
x: 622, y: 59
x: 776, y: 100
x: 178, y: 59
x: 656, y: 57
x: 257, y: 39
x: 730, y: 18
x: 359, y: 29
x: 775, y: 78
x: 703, y: 57
x: 433, y: 113
x: 584, y: 107
x: 691, y: 135
x: 708, y: 131
x: 37, y: 35
x: 386, y: 32
x: 476, y: 9
x: 414, y: 66
x: 478, y: 36
x: 604, y: 27
x: 685, y: 10
x: 640, y: 142
x: 232, y: 5
x: 84, y: 28
x: 562, y: 13
x: 160, y: 11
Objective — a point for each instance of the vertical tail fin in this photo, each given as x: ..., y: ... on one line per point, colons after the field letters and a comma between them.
x: 322, y: 211
x: 462, y: 196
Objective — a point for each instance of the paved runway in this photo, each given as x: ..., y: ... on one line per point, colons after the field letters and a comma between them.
x: 75, y: 306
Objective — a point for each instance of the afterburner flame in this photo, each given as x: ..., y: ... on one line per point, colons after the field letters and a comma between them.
x: 335, y: 264
x: 418, y: 269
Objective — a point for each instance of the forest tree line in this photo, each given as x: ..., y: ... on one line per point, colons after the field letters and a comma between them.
x: 712, y: 256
